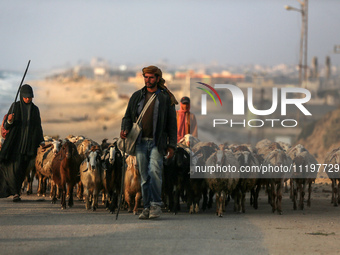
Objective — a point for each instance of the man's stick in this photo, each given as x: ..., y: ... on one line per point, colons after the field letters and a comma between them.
x: 22, y: 80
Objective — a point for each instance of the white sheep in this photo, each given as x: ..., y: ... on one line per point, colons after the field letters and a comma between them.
x: 189, y: 140
x: 91, y: 177
x: 248, y: 180
x: 277, y: 159
x: 225, y: 183
x: 332, y: 162
x: 303, y: 174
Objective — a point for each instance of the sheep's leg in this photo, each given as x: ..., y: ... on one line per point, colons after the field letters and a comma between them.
x: 239, y: 200
x: 137, y: 200
x: 291, y: 189
x: 211, y: 197
x: 273, y: 197
x: 221, y: 200
x: 39, y: 185
x: 279, y: 197
x: 197, y: 199
x: 223, y: 194
x: 309, y: 193
x: 243, y: 201
x: 191, y: 209
x: 70, y: 193
x: 127, y: 197
x: 302, y: 187
x: 205, y: 199
x: 108, y: 200
x: 256, y: 196
x: 332, y: 198
x: 190, y: 201
x: 58, y: 191
x: 29, y: 184
x: 30, y: 189
x: 103, y: 197
x: 131, y: 206
x: 171, y: 198
x: 54, y: 196
x: 176, y: 200
x: 63, y: 197
x: 227, y: 200
x: 270, y: 193
x: 87, y: 198
x: 217, y: 204
x: 338, y: 190
x: 197, y: 208
x: 95, y: 199
x: 286, y: 186
x: 44, y: 186
x: 252, y: 196
x: 294, y: 188
x: 53, y: 188
x: 80, y: 190
x: 335, y: 193
x: 114, y: 202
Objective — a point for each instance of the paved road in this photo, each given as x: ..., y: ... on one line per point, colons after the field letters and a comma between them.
x: 35, y: 226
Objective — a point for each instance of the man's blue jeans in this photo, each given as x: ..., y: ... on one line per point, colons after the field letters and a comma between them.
x: 150, y: 164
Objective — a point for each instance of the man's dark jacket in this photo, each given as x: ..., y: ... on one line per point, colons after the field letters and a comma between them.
x: 10, y: 147
x: 165, y: 133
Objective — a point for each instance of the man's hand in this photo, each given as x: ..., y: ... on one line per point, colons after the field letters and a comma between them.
x: 170, y: 153
x: 10, y: 118
x: 123, y: 134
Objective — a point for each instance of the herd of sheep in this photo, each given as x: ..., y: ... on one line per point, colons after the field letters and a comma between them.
x: 97, y: 169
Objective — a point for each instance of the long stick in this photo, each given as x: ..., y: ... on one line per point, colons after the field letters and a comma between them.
x: 122, y: 183
x: 22, y: 80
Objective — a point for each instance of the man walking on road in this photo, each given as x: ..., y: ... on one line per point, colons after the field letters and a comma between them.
x: 186, y: 121
x: 158, y: 136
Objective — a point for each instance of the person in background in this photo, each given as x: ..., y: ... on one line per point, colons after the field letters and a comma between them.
x: 21, y: 143
x: 157, y: 139
x: 186, y: 121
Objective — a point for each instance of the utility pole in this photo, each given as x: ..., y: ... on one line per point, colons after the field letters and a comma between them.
x: 303, y: 77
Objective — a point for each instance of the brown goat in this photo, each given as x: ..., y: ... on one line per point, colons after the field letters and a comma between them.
x: 43, y: 164
x: 132, y: 184
x: 65, y: 171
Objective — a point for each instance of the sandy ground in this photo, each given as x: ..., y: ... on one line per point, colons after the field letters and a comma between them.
x: 87, y: 108
x: 95, y: 110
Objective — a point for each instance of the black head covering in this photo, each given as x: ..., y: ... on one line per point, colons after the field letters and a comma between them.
x: 26, y: 91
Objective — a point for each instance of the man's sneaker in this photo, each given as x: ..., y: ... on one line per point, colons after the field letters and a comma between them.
x: 155, y: 212
x: 145, y: 214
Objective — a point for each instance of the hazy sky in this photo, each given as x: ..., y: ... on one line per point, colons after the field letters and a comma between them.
x: 55, y: 33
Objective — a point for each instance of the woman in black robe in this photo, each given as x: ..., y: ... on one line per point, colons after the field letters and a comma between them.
x: 21, y: 143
